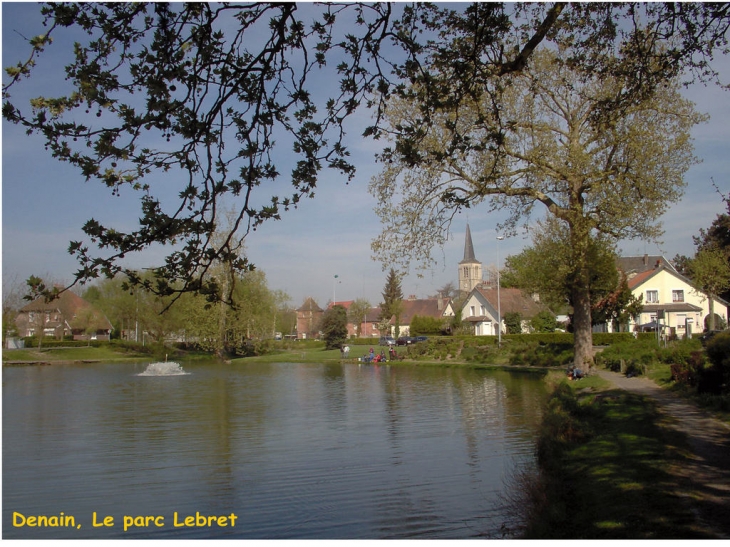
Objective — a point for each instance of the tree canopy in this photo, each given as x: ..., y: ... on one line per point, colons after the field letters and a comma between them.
x: 546, y: 139
x: 210, y: 94
x: 709, y: 268
x: 334, y: 327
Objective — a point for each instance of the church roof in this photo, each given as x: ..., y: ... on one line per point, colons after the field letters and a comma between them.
x: 469, y: 249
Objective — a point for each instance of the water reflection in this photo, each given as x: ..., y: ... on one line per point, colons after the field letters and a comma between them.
x: 294, y: 450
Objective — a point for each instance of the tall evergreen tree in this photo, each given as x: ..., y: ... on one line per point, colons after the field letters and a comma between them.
x: 392, y: 299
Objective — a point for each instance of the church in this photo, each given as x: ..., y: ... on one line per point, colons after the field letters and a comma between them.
x: 470, y: 269
x: 485, y: 307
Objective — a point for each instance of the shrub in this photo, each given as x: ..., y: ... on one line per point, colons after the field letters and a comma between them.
x: 427, y: 326
x: 513, y: 322
x: 718, y: 350
x: 534, y: 354
x: 715, y: 379
x: 687, y: 373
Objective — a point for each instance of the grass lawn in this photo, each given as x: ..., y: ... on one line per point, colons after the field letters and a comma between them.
x: 102, y: 353
x: 606, y: 459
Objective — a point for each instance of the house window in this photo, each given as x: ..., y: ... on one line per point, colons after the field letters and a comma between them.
x: 31, y: 316
x: 483, y: 311
x: 678, y: 296
x: 652, y: 297
x: 472, y: 311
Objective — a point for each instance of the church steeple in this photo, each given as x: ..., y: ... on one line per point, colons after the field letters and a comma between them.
x: 470, y: 269
x: 468, y: 247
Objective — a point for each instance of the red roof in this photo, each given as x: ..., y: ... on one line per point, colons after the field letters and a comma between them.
x: 638, y: 279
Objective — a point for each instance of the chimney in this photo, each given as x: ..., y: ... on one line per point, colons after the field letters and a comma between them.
x: 440, y: 302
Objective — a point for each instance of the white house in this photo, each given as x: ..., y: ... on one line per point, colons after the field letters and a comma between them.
x: 482, y: 304
x: 667, y: 293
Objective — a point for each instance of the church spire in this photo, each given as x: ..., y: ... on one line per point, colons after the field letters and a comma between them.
x: 468, y: 247
x: 470, y: 269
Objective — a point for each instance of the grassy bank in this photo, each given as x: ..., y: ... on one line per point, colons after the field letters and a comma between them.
x: 101, y: 353
x: 605, y: 458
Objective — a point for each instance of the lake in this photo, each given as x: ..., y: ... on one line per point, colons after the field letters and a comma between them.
x: 263, y: 451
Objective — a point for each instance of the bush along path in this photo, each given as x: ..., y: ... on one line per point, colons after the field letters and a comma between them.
x: 707, y: 472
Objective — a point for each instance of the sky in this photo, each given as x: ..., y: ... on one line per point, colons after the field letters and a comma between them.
x: 321, y: 249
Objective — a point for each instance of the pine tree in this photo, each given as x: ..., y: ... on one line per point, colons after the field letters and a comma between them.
x: 392, y: 299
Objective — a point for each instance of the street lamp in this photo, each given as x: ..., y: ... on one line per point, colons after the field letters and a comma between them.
x: 499, y: 302
x: 334, y: 287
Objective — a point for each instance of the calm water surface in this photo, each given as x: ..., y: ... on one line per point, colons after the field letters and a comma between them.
x: 292, y: 450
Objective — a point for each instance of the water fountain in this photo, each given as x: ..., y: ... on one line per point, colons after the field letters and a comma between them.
x: 163, y: 368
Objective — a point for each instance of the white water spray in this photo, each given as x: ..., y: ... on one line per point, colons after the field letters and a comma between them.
x: 167, y: 368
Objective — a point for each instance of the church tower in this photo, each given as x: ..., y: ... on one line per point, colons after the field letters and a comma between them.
x: 470, y: 269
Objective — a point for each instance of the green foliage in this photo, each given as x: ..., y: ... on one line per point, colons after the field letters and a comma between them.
x: 334, y: 327
x: 423, y: 326
x: 547, y: 268
x: 513, y: 322
x: 629, y: 356
x: 710, y: 269
x: 535, y: 354
x: 544, y: 321
x: 134, y: 80
x: 716, y: 379
x: 392, y: 297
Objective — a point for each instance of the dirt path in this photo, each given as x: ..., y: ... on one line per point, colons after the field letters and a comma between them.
x: 708, y: 474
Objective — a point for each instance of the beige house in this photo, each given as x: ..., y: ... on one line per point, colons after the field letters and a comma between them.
x: 674, y: 299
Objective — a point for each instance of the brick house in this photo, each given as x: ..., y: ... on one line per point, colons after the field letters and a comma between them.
x: 309, y: 316
x: 67, y: 315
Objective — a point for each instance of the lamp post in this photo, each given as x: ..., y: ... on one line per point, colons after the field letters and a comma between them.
x: 334, y: 287
x: 499, y: 302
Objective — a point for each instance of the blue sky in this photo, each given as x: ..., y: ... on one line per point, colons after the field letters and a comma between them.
x: 45, y: 203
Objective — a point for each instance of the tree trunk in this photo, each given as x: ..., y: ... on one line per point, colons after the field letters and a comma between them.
x: 581, y: 296
x: 582, y: 327
x: 711, y: 322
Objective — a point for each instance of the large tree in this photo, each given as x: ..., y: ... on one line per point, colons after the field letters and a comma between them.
x: 334, y: 327
x: 212, y: 93
x: 710, y: 270
x: 544, y: 268
x: 544, y: 137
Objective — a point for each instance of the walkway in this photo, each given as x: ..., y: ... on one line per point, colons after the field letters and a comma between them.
x: 708, y: 472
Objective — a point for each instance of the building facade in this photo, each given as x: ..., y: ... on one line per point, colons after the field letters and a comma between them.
x: 66, y: 316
